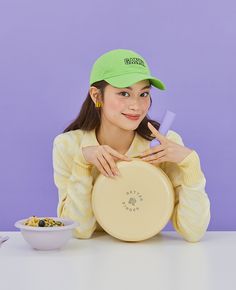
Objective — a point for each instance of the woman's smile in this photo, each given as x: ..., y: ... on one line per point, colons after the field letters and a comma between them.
x: 132, y: 117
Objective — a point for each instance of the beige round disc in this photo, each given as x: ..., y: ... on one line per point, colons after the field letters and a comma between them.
x: 136, y: 205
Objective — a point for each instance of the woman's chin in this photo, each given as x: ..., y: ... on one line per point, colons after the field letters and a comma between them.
x: 130, y: 127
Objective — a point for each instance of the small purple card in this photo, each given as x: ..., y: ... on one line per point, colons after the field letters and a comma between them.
x: 164, y: 127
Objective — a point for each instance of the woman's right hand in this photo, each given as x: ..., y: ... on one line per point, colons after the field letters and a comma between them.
x: 104, y: 157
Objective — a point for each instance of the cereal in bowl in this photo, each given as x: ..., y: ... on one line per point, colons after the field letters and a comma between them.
x: 42, y: 222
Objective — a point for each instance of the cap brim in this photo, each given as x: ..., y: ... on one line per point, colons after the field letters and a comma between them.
x: 127, y: 80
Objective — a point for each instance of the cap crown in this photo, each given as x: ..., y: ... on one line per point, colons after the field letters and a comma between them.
x: 118, y: 62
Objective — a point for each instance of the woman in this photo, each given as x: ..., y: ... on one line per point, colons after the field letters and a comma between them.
x: 113, y: 125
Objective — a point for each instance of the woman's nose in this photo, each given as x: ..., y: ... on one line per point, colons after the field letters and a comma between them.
x: 134, y: 104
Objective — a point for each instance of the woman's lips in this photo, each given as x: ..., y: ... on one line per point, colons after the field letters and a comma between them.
x: 131, y: 117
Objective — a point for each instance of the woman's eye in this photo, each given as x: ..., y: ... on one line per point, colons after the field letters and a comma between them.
x: 145, y: 93
x: 122, y: 93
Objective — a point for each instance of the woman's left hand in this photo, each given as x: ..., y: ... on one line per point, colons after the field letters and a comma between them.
x: 166, y: 151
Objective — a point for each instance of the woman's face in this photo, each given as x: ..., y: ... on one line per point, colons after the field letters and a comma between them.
x: 126, y: 107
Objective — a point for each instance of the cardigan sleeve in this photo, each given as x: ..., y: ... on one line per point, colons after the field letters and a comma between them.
x: 72, y: 177
x: 191, y: 214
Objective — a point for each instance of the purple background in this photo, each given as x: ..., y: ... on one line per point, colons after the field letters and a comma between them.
x: 46, y: 54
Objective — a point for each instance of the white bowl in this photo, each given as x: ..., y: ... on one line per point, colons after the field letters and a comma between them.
x: 47, y: 238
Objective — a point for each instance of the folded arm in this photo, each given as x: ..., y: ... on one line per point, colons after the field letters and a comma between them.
x: 73, y: 179
x: 191, y: 215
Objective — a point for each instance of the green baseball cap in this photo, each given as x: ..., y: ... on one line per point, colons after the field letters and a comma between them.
x: 122, y: 68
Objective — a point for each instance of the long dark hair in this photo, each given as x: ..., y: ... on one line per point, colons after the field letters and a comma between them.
x: 89, y: 116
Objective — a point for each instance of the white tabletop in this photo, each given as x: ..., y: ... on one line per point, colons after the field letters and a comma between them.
x: 103, y: 262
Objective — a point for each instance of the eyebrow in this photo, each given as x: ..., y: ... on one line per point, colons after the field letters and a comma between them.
x: 147, y: 87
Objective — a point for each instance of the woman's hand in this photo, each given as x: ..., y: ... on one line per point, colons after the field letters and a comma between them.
x: 166, y: 151
x: 104, y: 157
